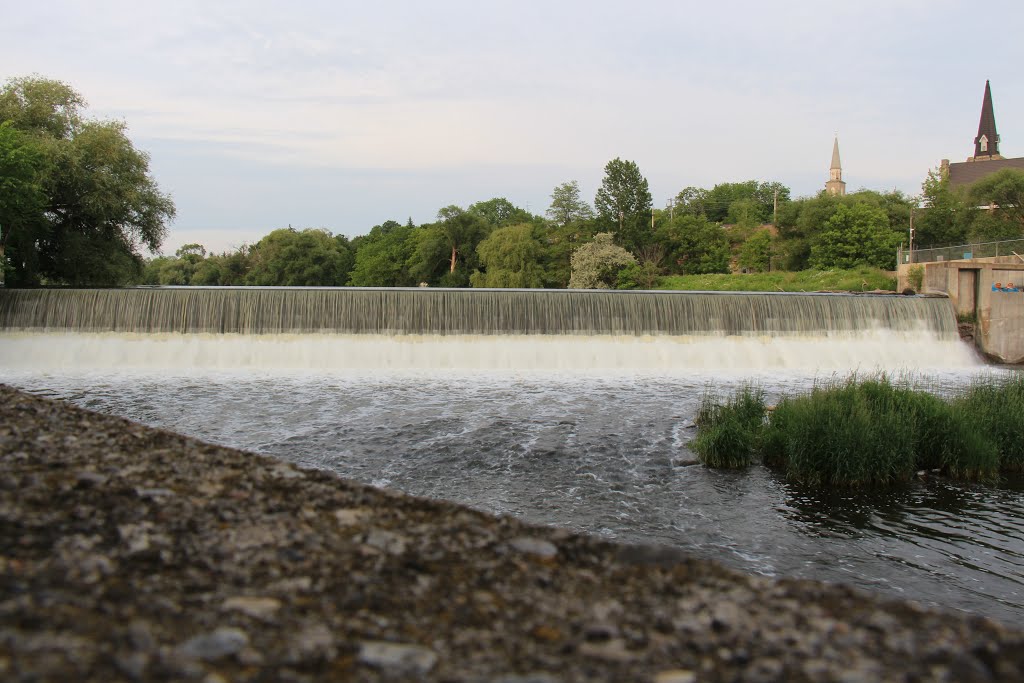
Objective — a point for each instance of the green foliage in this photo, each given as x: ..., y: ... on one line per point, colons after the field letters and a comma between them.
x: 510, y: 257
x: 997, y: 410
x: 750, y: 202
x: 100, y: 204
x: 307, y: 258
x: 1004, y: 190
x: 857, y: 234
x: 596, y: 265
x: 730, y: 433
x: 567, y: 206
x: 755, y: 253
x: 382, y: 257
x: 623, y: 204
x: 499, y: 212
x: 694, y: 245
x: 22, y: 200
x: 859, y: 279
x: 915, y: 275
x: 947, y: 216
x: 868, y: 432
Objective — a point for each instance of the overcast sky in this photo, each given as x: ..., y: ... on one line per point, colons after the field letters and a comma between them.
x: 342, y: 115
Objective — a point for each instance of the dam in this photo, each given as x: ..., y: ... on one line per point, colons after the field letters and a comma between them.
x: 350, y: 328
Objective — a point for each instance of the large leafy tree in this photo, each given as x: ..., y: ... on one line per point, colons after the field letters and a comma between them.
x: 293, y: 258
x: 382, y: 257
x: 597, y: 264
x: 1003, y: 191
x: 947, y: 215
x: 694, y: 245
x: 445, y: 251
x: 567, y: 206
x: 856, y: 234
x: 22, y: 200
x: 510, y: 257
x: 623, y: 204
x: 100, y: 205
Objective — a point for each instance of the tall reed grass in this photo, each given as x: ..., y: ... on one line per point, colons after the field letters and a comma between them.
x: 871, y: 431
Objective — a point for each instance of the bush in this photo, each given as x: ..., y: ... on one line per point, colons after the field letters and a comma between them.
x: 729, y: 434
x: 867, y: 432
x: 996, y: 409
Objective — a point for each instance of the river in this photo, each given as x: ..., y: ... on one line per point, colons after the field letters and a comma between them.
x: 601, y: 451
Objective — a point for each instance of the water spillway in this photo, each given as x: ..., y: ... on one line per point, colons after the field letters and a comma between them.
x: 345, y: 329
x: 465, y: 312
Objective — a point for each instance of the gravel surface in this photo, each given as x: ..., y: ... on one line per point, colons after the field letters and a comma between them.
x: 129, y: 553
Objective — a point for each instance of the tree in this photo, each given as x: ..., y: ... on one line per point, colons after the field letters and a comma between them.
x: 596, y: 265
x: 101, y: 206
x: 460, y: 231
x: 567, y: 207
x: 694, y: 245
x: 1004, y: 192
x: 857, y: 234
x: 499, y: 212
x: 306, y: 258
x: 623, y: 203
x: 946, y: 218
x: 382, y: 257
x: 22, y: 200
x: 510, y: 257
x: 755, y: 253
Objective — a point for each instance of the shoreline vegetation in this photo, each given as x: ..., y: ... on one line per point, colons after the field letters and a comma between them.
x: 874, y: 431
x: 862, y: 279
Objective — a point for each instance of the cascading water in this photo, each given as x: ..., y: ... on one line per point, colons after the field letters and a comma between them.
x: 347, y: 328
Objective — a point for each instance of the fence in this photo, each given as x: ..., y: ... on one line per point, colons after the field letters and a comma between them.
x: 963, y: 251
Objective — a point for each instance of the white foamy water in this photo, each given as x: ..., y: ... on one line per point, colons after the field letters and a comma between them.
x: 878, y: 349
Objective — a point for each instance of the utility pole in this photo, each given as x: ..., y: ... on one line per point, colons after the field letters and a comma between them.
x: 911, y: 249
x: 652, y: 218
x: 775, y: 209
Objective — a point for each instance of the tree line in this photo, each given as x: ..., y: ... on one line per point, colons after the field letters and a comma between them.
x: 78, y: 206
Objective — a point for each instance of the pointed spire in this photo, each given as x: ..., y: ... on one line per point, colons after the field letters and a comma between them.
x: 835, y: 185
x: 987, y: 142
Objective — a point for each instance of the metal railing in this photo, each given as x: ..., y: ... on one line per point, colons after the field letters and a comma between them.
x: 963, y: 251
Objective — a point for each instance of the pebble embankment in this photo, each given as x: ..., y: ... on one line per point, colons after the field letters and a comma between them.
x: 128, y: 553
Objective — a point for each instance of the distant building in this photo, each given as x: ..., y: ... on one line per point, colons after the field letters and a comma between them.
x: 835, y: 185
x: 986, y: 159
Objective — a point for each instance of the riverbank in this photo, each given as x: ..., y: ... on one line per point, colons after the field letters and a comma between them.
x: 135, y: 554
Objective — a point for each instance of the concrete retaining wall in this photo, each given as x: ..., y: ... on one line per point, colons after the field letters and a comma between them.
x: 990, y: 289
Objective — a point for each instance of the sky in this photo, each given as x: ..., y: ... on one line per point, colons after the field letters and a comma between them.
x: 342, y: 115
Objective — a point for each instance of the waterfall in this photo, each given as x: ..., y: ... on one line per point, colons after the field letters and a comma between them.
x: 395, y: 312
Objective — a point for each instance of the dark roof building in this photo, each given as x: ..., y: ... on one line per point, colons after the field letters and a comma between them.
x: 986, y: 159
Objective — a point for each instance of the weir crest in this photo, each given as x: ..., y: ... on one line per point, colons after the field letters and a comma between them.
x: 392, y: 311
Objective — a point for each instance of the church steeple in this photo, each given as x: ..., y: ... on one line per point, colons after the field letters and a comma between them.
x: 986, y: 145
x: 835, y: 185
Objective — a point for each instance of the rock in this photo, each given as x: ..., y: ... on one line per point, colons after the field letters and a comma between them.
x: 534, y: 546
x: 223, y: 642
x: 613, y: 650
x: 675, y: 676
x: 385, y: 541
x: 314, y: 641
x: 350, y: 516
x: 256, y: 607
x: 397, y: 658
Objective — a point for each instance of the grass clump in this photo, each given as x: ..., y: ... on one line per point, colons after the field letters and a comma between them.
x: 997, y: 410
x: 868, y: 432
x: 729, y: 433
